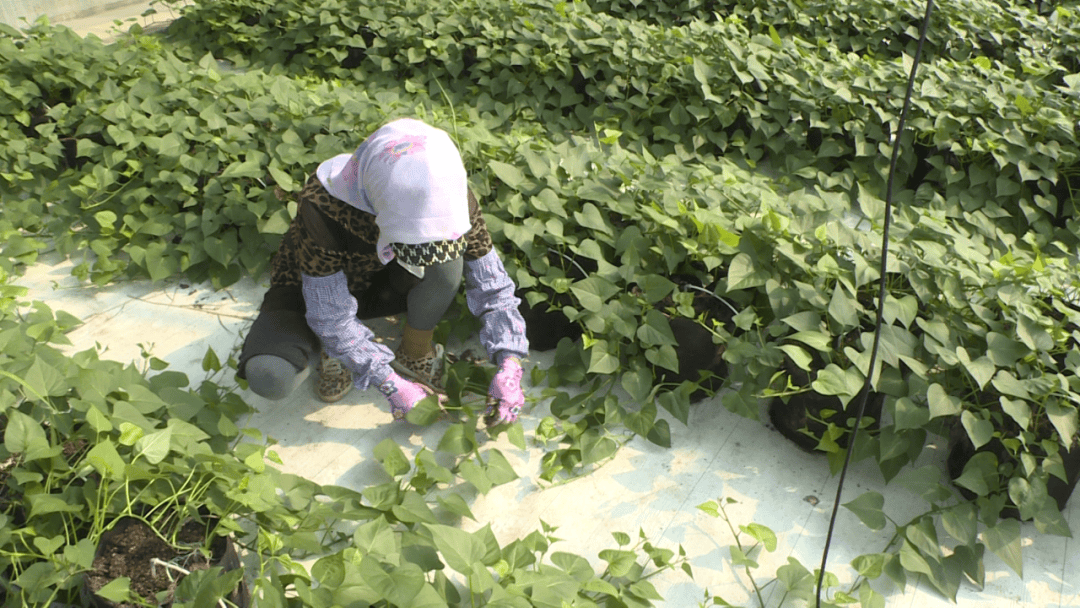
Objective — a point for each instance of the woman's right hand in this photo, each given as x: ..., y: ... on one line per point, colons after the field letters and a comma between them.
x: 403, y: 394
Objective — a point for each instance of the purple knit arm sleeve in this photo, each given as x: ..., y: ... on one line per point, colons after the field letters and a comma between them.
x: 331, y: 314
x: 489, y: 292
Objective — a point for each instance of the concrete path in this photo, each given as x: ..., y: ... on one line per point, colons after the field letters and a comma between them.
x: 718, y: 455
x: 102, y: 18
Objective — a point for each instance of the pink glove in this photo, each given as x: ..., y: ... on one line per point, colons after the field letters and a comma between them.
x: 404, y: 394
x: 505, y: 397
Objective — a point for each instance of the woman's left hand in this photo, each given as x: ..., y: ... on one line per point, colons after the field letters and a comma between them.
x: 505, y: 397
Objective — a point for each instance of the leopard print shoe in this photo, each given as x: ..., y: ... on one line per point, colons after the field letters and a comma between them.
x: 334, y: 380
x: 427, y: 370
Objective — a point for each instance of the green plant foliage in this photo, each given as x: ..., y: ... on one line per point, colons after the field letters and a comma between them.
x: 639, y: 165
x: 1014, y: 35
x: 809, y: 106
x: 145, y: 167
x: 795, y: 581
x: 88, y: 441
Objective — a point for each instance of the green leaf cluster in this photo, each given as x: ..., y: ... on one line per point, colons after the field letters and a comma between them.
x: 146, y: 166
x: 794, y: 581
x: 992, y: 135
x: 88, y: 441
x: 630, y: 157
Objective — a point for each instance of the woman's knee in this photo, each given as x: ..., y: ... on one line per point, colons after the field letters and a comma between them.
x: 272, y: 377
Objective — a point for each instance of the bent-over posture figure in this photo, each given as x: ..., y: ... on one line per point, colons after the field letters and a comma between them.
x: 391, y: 227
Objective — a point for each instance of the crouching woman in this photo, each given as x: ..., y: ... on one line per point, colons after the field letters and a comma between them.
x: 389, y: 228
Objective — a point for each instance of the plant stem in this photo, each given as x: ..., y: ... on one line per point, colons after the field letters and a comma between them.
x: 722, y: 300
x: 571, y: 260
x: 171, y: 566
x: 738, y: 543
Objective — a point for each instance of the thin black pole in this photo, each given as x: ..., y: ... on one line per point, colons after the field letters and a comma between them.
x: 868, y: 385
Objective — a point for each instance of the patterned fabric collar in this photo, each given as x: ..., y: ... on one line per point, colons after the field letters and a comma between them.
x: 426, y: 254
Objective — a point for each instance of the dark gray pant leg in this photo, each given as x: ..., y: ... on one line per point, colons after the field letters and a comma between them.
x: 432, y: 296
x: 280, y: 347
x: 272, y: 377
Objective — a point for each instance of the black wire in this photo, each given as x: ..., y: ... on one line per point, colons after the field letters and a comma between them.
x: 865, y: 393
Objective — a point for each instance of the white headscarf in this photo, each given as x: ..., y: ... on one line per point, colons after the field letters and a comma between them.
x: 410, y: 176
